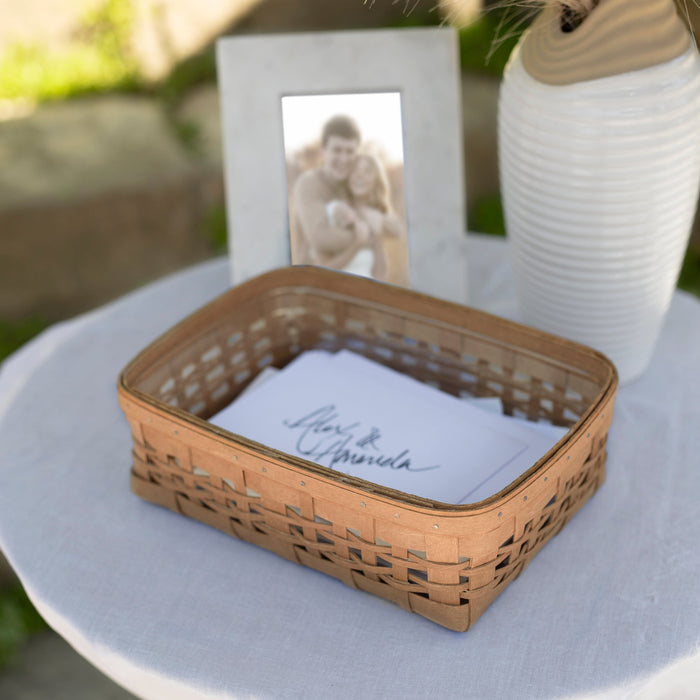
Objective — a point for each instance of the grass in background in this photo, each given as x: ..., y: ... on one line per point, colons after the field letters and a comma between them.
x: 690, y: 272
x: 98, y: 60
x: 486, y: 216
x: 214, y: 226
x: 14, y: 334
x: 190, y: 73
x: 198, y: 69
x: 18, y: 618
x: 18, y: 621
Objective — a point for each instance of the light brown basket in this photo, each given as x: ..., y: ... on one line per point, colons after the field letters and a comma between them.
x: 442, y: 561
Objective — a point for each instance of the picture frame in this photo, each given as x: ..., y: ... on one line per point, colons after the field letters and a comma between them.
x: 422, y: 64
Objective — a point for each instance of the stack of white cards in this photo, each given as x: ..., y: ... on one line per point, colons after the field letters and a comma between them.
x: 358, y: 417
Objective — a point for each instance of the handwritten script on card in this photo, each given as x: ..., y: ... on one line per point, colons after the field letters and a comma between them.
x: 322, y: 433
x: 355, y: 416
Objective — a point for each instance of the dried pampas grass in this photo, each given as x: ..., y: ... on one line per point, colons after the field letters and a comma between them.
x: 576, y: 7
x: 572, y: 12
x: 515, y: 15
x: 455, y: 11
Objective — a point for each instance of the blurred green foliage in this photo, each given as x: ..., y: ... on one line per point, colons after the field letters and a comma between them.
x: 486, y: 216
x: 14, y: 334
x: 18, y: 620
x: 97, y: 60
x: 215, y: 228
x: 188, y: 133
x: 689, y: 279
x: 198, y: 69
x: 485, y: 44
x: 417, y: 14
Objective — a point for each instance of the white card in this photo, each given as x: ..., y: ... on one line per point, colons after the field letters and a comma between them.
x: 350, y: 360
x: 357, y: 417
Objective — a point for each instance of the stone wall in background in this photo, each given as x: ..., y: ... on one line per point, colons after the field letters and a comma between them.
x: 101, y: 198
x: 100, y: 195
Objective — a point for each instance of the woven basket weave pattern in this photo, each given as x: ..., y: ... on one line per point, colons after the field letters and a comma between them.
x: 444, y: 562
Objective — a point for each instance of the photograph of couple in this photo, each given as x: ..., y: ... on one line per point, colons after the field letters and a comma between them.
x: 346, y: 185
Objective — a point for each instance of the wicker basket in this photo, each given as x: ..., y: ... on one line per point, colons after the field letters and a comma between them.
x: 442, y: 561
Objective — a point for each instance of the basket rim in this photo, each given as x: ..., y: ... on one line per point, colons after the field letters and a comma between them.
x: 362, y: 288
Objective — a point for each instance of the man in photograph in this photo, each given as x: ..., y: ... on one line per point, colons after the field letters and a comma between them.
x: 321, y: 235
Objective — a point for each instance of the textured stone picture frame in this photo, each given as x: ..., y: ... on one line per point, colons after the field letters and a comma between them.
x: 255, y: 72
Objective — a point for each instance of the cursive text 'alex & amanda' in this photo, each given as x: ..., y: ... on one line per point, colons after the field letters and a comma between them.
x: 322, y: 434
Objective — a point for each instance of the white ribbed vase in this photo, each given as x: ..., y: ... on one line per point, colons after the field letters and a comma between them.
x: 599, y: 180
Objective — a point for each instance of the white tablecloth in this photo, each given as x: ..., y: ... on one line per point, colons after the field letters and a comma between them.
x: 171, y: 608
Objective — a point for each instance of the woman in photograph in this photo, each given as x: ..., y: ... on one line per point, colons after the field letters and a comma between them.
x: 369, y: 215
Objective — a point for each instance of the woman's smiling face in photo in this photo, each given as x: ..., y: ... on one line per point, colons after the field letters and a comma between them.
x: 362, y: 177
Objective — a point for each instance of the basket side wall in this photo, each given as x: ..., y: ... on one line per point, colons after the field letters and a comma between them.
x: 445, y: 563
